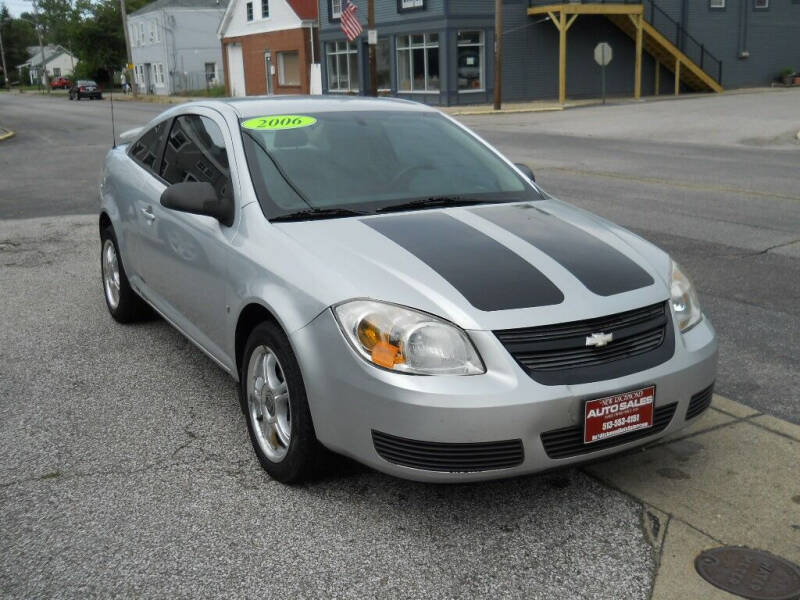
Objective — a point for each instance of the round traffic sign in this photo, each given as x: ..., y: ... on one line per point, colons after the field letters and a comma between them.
x: 603, y: 54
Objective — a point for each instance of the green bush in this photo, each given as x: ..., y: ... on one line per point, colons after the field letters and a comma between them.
x: 215, y: 91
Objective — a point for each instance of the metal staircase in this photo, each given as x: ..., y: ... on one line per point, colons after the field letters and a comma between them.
x: 673, y: 47
x: 652, y: 30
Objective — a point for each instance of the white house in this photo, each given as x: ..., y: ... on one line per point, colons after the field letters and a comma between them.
x: 58, y: 62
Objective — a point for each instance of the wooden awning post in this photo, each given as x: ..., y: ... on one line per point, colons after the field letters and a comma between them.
x: 637, y: 73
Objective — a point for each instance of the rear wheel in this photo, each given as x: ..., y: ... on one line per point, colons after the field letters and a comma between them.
x: 123, y: 303
x: 273, y: 398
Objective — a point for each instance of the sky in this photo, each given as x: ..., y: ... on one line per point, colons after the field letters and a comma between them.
x: 17, y: 7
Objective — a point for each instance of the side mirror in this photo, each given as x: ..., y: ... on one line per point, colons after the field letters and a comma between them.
x: 526, y: 170
x: 198, y: 198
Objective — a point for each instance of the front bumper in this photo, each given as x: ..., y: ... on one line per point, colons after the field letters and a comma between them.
x: 349, y: 399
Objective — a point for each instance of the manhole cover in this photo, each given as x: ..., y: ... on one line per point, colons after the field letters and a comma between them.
x: 752, y: 574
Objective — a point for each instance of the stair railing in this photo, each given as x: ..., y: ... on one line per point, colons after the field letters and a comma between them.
x: 668, y: 27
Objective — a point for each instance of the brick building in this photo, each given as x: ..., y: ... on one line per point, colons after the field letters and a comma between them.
x: 268, y: 47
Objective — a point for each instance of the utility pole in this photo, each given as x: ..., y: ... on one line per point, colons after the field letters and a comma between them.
x: 128, y: 68
x: 43, y: 74
x: 372, y: 39
x: 498, y: 54
x: 3, y: 56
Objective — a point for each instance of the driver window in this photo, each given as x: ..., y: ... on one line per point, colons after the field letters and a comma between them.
x: 195, y: 151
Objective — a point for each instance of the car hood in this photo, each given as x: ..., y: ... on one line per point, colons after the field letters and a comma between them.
x: 487, y: 267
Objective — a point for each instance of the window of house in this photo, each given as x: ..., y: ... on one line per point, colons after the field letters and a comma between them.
x: 471, y: 64
x: 716, y: 3
x: 761, y: 4
x: 195, y: 151
x: 418, y: 63
x: 288, y: 68
x: 211, y: 72
x: 156, y: 32
x: 382, y: 55
x: 134, y: 36
x: 56, y: 72
x: 141, y: 34
x: 336, y: 9
x: 342, y: 67
x: 265, y: 9
x: 249, y: 8
x: 146, y: 149
x: 158, y: 74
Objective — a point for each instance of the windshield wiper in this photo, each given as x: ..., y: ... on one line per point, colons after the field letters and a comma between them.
x: 435, y: 202
x: 318, y: 213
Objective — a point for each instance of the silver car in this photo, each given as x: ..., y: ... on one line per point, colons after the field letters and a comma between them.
x: 384, y: 284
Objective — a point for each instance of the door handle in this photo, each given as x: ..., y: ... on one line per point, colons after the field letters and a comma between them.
x: 148, y: 213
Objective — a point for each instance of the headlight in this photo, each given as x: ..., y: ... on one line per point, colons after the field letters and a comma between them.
x: 684, y: 299
x: 407, y: 341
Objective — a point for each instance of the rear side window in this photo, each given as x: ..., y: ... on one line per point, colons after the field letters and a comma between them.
x: 195, y: 151
x: 145, y: 150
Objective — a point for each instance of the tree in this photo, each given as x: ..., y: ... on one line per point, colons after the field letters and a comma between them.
x: 18, y: 35
x: 97, y: 35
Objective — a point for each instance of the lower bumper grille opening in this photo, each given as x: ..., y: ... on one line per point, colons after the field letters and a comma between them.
x: 454, y: 458
x: 700, y: 402
x: 566, y: 442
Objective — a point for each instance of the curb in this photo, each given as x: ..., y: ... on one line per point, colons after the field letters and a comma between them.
x: 507, y: 111
x: 6, y: 134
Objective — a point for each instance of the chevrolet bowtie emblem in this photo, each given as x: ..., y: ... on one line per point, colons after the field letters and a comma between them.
x: 599, y: 339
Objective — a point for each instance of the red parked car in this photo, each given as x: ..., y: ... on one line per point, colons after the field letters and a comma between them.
x: 60, y: 83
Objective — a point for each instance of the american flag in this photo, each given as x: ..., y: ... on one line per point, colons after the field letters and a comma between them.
x: 350, y: 25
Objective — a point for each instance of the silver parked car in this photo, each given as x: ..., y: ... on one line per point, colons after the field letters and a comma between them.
x: 385, y: 284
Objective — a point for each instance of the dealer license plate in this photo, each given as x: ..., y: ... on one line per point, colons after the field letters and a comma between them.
x: 615, y: 415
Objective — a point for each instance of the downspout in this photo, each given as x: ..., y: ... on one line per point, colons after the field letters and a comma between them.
x: 743, y: 26
x: 163, y: 25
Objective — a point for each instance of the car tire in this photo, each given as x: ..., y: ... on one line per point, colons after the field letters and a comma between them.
x: 123, y: 303
x: 71, y: 97
x: 283, y: 439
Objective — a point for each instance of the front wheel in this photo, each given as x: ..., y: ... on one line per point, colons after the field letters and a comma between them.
x: 123, y: 303
x: 273, y: 398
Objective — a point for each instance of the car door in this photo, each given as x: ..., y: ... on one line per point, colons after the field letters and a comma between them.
x: 186, y: 264
x: 139, y: 190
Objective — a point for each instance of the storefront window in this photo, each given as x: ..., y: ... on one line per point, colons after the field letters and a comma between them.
x: 471, y: 68
x: 342, y: 67
x: 382, y: 65
x: 418, y: 63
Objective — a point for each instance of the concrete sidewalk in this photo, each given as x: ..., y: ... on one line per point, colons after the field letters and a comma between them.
x: 732, y: 478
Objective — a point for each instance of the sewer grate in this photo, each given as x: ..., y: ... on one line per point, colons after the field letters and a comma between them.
x: 752, y: 574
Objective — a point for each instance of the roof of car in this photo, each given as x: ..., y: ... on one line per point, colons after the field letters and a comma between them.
x: 255, y: 106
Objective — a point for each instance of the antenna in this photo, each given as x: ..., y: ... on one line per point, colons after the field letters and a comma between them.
x: 111, y: 98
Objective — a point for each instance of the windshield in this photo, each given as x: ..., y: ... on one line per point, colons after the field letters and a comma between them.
x: 368, y: 161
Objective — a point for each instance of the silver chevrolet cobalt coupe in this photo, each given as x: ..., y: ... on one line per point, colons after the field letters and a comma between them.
x: 383, y: 283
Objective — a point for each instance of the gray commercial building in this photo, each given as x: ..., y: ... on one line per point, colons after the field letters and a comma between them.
x: 174, y: 45
x: 442, y: 51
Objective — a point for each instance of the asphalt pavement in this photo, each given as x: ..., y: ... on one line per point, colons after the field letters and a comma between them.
x: 125, y: 468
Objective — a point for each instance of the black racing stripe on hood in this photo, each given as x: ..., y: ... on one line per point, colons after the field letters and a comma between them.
x: 602, y: 268
x: 486, y: 273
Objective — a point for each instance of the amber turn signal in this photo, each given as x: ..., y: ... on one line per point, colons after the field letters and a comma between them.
x: 386, y: 355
